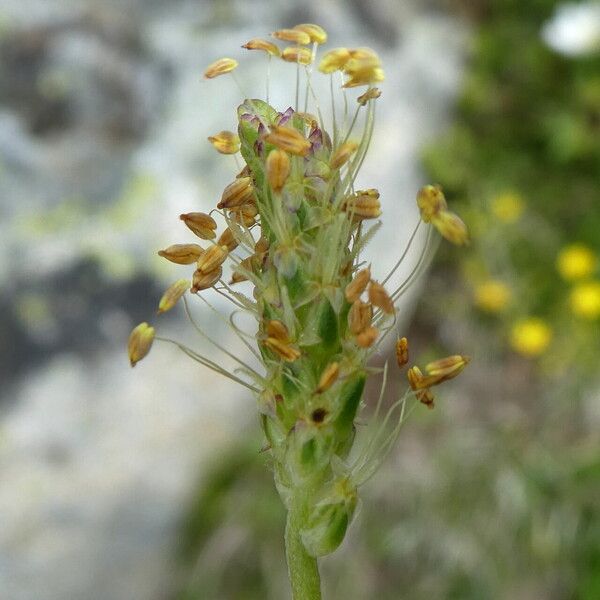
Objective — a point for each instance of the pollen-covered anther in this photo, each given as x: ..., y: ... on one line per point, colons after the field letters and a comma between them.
x: 283, y: 349
x: 228, y: 239
x: 225, y: 142
x: 213, y: 258
x: 342, y: 155
x: 366, y: 338
x: 204, y: 281
x: 292, y: 35
x: 358, y: 285
x: 172, y: 295
x: 295, y: 54
x: 364, y: 204
x: 288, y: 139
x: 316, y: 33
x: 328, y: 377
x: 264, y: 45
x: 431, y: 201
x: 379, y: 297
x: 448, y: 367
x: 140, y: 342
x: 334, y: 60
x: 370, y: 94
x: 359, y: 316
x: 182, y: 254
x: 278, y: 166
x: 220, y: 67
x: 451, y: 227
x: 201, y: 224
x: 363, y: 68
x: 241, y: 191
x: 402, y: 351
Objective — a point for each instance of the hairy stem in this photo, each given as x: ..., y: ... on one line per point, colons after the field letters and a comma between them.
x: 302, y: 568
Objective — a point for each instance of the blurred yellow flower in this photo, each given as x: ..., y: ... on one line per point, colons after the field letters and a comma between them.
x: 530, y: 337
x: 576, y: 261
x: 508, y: 207
x: 585, y: 299
x: 492, y: 296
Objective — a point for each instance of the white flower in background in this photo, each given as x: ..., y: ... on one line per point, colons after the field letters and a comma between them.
x: 574, y: 29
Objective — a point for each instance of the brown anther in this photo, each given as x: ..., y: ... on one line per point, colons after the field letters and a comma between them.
x: 292, y: 35
x: 328, y: 377
x: 370, y: 94
x: 248, y: 264
x: 288, y: 139
x: 295, y: 54
x: 285, y: 351
x: 241, y: 191
x: 182, y: 254
x: 225, y: 142
x: 213, y: 258
x: 448, y: 367
x: 261, y: 246
x: 318, y: 415
x: 364, y: 204
x: 366, y: 338
x: 342, y: 155
x: 203, y: 281
x: 201, y: 224
x: 278, y: 168
x: 245, y: 172
x: 244, y: 214
x: 359, y: 316
x: 220, y: 67
x: 228, y: 239
x: 379, y: 297
x: 264, y: 45
x: 316, y: 33
x: 276, y: 329
x: 172, y: 295
x: 358, y: 285
x: 402, y: 351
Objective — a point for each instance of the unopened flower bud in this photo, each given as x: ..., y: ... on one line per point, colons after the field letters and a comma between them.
x: 292, y: 35
x: 213, y: 258
x: 431, y: 201
x: 228, y: 239
x: 370, y: 94
x: 366, y: 338
x: 172, y: 295
x: 140, y: 342
x: 241, y: 191
x: 201, y: 224
x: 328, y: 377
x: 225, y: 142
x: 451, y: 227
x: 265, y: 45
x: 316, y: 33
x: 402, y: 351
x: 379, y: 297
x: 297, y: 55
x: 203, y: 281
x: 359, y: 316
x: 220, y: 67
x: 342, y: 154
x: 358, y: 285
x: 284, y: 350
x: 182, y: 254
x: 278, y: 167
x: 334, y: 60
x: 288, y: 139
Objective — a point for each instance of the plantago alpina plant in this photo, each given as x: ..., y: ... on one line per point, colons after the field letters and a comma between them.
x: 295, y: 228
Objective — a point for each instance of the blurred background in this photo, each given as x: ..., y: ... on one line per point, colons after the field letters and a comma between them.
x: 149, y: 484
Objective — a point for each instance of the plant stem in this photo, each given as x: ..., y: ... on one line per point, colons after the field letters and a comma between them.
x: 302, y: 568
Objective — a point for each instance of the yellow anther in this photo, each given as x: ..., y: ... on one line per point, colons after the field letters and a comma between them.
x: 140, y: 342
x: 225, y: 142
x: 451, y: 226
x: 213, y: 258
x: 241, y: 191
x: 316, y: 33
x: 334, y: 60
x: 297, y: 55
x: 220, y: 67
x: 341, y: 156
x: 201, y: 224
x: 265, y: 45
x: 284, y: 350
x: 172, y: 295
x: 288, y: 139
x: 278, y: 166
x: 203, y: 281
x: 364, y: 204
x: 292, y: 35
x: 182, y: 254
x: 328, y: 377
x: 431, y: 201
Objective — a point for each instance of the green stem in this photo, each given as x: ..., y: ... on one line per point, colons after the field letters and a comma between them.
x: 302, y: 568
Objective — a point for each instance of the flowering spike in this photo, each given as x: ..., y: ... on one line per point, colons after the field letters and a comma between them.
x: 182, y: 254
x: 140, y: 342
x: 292, y: 35
x: 225, y: 142
x: 264, y: 45
x: 172, y: 295
x: 220, y: 67
x: 316, y: 33
x: 201, y: 224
